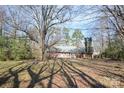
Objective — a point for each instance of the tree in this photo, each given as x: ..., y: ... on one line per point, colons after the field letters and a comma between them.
x: 116, y: 17
x: 2, y: 39
x: 88, y: 45
x: 42, y: 19
x: 53, y: 37
x: 110, y: 32
x: 115, y: 51
x: 66, y: 36
x: 2, y: 20
x: 77, y: 37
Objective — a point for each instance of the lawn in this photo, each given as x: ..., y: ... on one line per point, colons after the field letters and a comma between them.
x: 62, y: 73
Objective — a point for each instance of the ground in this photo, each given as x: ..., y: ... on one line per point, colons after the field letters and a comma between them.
x: 62, y: 73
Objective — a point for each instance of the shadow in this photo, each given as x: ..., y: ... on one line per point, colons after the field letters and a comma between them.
x: 67, y: 77
x: 56, y: 85
x: 37, y: 78
x: 14, y: 74
x: 4, y: 79
x: 103, y: 71
x: 51, y: 77
x: 10, y: 74
x: 70, y: 80
x: 16, y: 81
x: 92, y: 82
x: 10, y: 67
x: 69, y: 74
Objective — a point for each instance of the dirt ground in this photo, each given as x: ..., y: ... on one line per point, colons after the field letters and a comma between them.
x: 62, y: 73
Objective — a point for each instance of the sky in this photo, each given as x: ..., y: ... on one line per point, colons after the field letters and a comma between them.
x: 85, y: 22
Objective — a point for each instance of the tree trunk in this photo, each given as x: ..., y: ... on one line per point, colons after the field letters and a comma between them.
x: 43, y: 49
x: 43, y: 45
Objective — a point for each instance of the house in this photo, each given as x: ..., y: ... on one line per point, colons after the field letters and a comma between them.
x: 68, y: 52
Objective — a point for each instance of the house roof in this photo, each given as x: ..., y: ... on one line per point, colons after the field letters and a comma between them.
x: 70, y: 49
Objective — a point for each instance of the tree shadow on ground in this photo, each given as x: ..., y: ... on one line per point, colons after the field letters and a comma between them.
x: 37, y: 77
x: 14, y: 74
x: 92, y: 82
x: 10, y: 74
x: 103, y: 71
x: 67, y: 70
x: 68, y: 79
x: 49, y: 85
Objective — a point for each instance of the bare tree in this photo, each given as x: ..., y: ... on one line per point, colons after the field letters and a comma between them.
x: 41, y: 19
x: 116, y: 17
x: 2, y: 19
